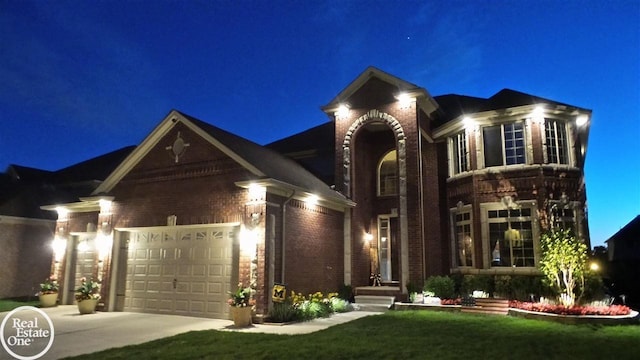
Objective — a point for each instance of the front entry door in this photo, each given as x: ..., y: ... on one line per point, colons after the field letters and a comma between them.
x: 388, y: 245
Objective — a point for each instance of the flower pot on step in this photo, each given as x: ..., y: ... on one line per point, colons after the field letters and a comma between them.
x: 87, y: 306
x: 48, y: 300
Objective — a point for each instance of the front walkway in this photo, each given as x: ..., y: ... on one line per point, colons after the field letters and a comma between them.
x: 77, y: 334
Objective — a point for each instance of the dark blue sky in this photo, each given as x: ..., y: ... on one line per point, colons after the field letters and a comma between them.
x: 81, y: 78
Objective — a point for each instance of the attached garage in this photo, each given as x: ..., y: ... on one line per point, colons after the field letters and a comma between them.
x: 181, y: 270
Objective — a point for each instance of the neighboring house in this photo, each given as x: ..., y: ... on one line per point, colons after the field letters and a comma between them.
x: 624, y: 261
x: 398, y: 183
x: 26, y: 231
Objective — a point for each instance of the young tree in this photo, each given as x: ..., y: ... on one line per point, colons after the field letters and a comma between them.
x: 563, y: 262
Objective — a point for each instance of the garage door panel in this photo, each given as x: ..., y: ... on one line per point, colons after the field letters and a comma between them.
x: 200, y: 261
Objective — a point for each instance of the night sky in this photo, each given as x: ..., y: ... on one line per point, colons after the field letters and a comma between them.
x: 82, y: 78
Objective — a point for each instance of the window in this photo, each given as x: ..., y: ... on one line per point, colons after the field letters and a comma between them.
x: 504, y: 144
x: 511, y: 237
x: 463, y: 241
x: 562, y: 217
x: 459, y: 153
x: 556, y: 142
x: 388, y: 174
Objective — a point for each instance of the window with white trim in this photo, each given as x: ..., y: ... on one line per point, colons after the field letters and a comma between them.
x: 556, y: 142
x: 511, y: 237
x: 562, y: 217
x: 463, y: 242
x: 388, y: 174
x: 459, y: 153
x: 504, y: 144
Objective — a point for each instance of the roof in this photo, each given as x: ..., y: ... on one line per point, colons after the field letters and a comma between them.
x: 271, y: 163
x: 23, y: 189
x: 266, y: 164
x: 454, y: 105
x: 314, y: 149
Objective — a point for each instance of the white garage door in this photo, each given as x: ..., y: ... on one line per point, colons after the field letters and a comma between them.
x: 180, y: 270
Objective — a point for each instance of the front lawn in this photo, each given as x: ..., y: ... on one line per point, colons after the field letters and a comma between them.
x: 403, y: 335
x: 8, y: 304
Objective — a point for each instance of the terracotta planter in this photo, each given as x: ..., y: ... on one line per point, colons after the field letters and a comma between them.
x: 87, y: 306
x: 48, y: 300
x: 241, y: 316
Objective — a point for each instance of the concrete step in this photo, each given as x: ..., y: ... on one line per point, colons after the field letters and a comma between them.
x: 375, y: 303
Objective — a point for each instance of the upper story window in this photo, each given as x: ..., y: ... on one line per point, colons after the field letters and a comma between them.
x: 556, y: 142
x: 388, y: 174
x: 504, y: 144
x: 459, y: 153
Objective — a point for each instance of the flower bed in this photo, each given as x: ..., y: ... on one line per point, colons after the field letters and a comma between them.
x: 612, y: 310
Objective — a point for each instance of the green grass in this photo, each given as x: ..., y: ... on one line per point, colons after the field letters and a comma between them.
x: 403, y: 335
x: 8, y: 305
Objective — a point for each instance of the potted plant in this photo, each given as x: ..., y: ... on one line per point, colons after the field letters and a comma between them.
x: 241, y: 305
x: 48, y: 294
x: 87, y: 295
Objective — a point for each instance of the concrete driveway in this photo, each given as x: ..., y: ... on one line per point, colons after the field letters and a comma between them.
x: 77, y: 334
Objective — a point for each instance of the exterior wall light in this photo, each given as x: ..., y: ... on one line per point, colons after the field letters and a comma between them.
x: 256, y: 192
x: 469, y: 123
x: 538, y: 114
x: 311, y: 200
x: 248, y: 242
x: 59, y: 246
x: 103, y: 243
x: 105, y: 206
x: 368, y: 237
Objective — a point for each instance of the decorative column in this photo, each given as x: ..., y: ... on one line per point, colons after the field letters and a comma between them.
x: 104, y: 245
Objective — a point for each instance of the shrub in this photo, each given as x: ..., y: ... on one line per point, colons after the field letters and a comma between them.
x: 471, y: 283
x: 593, y: 287
x: 502, y: 286
x: 441, y: 286
x: 345, y: 292
x: 283, y: 312
x: 340, y: 305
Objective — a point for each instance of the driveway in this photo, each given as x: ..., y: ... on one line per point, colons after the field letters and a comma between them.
x: 77, y: 334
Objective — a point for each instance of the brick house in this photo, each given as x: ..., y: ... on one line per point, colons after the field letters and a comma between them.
x: 398, y: 183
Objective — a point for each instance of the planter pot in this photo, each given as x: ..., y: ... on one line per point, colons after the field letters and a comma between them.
x: 241, y: 316
x: 87, y: 306
x: 48, y: 300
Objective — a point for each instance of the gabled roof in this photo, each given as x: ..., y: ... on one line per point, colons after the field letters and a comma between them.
x: 424, y: 99
x: 264, y: 163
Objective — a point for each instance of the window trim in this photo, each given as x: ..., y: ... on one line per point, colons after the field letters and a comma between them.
x: 453, y: 240
x: 568, y: 142
x: 526, y: 137
x: 535, y: 234
x: 378, y: 175
x: 454, y: 156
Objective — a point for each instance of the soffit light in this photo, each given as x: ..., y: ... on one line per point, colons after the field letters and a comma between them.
x: 311, y: 200
x: 404, y: 99
x: 581, y: 120
x: 343, y: 110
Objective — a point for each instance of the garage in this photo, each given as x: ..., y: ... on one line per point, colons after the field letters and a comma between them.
x: 180, y: 270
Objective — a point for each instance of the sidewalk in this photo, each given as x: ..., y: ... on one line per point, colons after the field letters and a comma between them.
x: 77, y: 334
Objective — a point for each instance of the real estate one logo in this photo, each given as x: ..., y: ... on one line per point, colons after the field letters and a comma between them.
x: 26, y: 333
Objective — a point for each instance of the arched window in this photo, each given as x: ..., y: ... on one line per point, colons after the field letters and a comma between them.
x: 388, y: 174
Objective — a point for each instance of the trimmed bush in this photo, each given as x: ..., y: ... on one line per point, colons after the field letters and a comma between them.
x: 283, y: 312
x: 441, y: 286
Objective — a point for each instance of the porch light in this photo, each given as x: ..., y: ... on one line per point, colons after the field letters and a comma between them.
x: 83, y: 246
x: 581, y: 120
x: 58, y: 245
x: 368, y: 237
x: 343, y: 110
